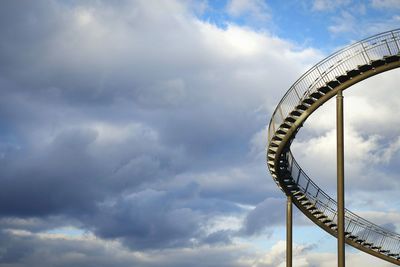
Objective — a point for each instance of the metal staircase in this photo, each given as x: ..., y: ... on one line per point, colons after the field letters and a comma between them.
x: 339, y: 71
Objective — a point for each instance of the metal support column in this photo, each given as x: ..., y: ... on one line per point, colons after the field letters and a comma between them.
x: 289, y: 237
x: 340, y: 178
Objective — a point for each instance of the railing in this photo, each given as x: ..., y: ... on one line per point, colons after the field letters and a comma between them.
x: 357, y: 226
x: 349, y: 58
x: 360, y: 53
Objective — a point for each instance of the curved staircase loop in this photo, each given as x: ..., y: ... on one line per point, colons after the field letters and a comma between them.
x: 339, y: 71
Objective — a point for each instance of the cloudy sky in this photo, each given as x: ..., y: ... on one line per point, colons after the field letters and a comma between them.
x: 132, y: 133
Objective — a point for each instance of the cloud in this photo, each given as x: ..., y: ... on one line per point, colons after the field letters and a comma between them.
x: 254, y: 8
x: 385, y: 4
x: 143, y: 127
x: 324, y: 5
x: 265, y: 214
x: 343, y: 24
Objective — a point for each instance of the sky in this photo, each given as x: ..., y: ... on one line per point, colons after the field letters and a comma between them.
x: 133, y: 132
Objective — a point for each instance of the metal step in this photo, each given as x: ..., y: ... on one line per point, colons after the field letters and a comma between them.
x: 332, y: 84
x: 302, y: 197
x: 281, y: 131
x: 305, y: 202
x: 317, y: 212
x: 331, y: 224
x: 286, y: 125
x: 302, y: 107
x: 309, y: 101
x: 297, y: 193
x: 290, y: 119
x: 353, y: 73
x: 342, y: 78
x: 274, y: 144
x: 324, y: 89
x: 321, y: 216
x: 296, y: 113
x: 326, y: 220
x: 390, y: 59
x: 377, y: 63
x: 364, y: 68
x: 316, y: 95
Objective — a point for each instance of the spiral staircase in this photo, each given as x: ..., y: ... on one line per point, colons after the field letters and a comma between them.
x: 339, y: 71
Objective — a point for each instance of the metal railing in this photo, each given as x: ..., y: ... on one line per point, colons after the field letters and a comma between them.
x: 356, y: 225
x: 349, y: 58
x: 339, y: 63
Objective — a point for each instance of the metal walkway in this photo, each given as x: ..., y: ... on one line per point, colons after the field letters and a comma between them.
x: 337, y: 72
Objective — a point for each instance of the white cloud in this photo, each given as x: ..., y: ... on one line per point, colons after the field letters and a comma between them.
x: 344, y: 23
x: 324, y: 5
x: 386, y: 4
x: 252, y: 8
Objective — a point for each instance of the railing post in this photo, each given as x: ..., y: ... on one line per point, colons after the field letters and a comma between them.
x: 289, y: 233
x: 340, y: 178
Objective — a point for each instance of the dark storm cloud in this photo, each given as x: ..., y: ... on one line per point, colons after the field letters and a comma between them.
x: 132, y: 121
x: 265, y: 215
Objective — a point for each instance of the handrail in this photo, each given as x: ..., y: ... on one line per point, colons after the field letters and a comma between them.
x: 328, y: 205
x: 347, y: 58
x: 374, y: 49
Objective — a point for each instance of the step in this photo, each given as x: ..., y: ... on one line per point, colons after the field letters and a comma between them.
x: 377, y: 63
x: 326, y: 220
x: 359, y: 240
x: 276, y: 138
x: 342, y: 78
x: 317, y: 212
x: 352, y: 236
x: 274, y: 144
x: 289, y: 182
x: 302, y: 107
x: 286, y: 125
x: 311, y: 208
x: 331, y: 224
x: 332, y: 84
x: 384, y: 251
x: 309, y: 101
x: 298, y: 193
x: 366, y: 244
x: 316, y: 95
x: 305, y: 202
x: 296, y: 113
x: 353, y: 73
x: 365, y: 67
x: 302, y: 197
x: 393, y: 254
x: 376, y: 247
x: 281, y: 131
x: 324, y: 89
x: 321, y: 216
x: 290, y: 119
x: 390, y: 59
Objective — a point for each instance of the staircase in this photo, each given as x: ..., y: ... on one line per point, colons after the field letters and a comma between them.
x: 339, y: 71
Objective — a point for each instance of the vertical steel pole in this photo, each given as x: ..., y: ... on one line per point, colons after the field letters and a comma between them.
x: 340, y: 178
x: 289, y: 228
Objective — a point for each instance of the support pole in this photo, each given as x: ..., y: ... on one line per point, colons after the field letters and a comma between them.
x: 340, y: 179
x: 289, y: 237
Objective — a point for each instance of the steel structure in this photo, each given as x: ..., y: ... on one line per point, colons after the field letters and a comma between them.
x: 325, y: 80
